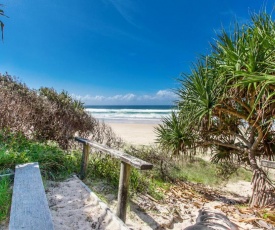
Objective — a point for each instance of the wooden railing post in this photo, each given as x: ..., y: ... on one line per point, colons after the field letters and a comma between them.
x: 125, y: 170
x: 85, y: 159
x: 127, y: 161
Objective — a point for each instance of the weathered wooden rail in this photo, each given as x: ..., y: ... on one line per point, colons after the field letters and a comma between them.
x: 268, y: 164
x: 127, y: 161
x: 29, y: 208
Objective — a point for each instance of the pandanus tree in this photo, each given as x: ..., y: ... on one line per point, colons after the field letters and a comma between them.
x: 229, y: 100
x: 173, y: 135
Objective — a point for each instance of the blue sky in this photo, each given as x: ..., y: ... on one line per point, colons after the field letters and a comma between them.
x: 113, y: 51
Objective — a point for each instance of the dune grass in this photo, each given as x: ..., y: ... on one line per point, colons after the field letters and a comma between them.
x: 5, y: 198
x: 197, y: 170
x: 201, y: 171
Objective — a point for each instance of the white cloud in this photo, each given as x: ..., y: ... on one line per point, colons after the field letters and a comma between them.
x: 126, y: 97
x: 99, y: 98
x: 166, y: 93
x: 160, y: 97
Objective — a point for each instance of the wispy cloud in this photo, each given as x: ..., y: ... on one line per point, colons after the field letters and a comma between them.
x: 166, y: 94
x: 126, y: 8
x: 160, y: 97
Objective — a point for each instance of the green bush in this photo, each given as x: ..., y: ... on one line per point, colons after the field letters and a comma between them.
x: 54, y: 162
x: 104, y: 166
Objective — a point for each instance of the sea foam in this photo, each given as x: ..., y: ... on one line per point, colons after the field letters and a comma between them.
x: 148, y: 114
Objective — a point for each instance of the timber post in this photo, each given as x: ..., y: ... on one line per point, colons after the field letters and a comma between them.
x: 124, y: 179
x: 127, y: 161
x: 85, y: 160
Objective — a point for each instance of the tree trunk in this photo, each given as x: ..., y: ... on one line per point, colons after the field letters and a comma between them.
x: 263, y: 191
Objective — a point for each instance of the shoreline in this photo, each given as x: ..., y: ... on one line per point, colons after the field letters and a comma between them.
x: 130, y: 121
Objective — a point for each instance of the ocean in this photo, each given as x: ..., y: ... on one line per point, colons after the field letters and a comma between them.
x: 151, y: 114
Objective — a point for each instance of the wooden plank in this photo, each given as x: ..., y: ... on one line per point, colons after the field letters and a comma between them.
x: 268, y: 164
x: 85, y: 159
x: 29, y: 209
x: 131, y: 160
x: 123, y: 188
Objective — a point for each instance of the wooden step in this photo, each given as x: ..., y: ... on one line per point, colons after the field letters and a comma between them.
x: 29, y: 209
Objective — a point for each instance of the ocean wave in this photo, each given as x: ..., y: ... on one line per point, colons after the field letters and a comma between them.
x: 92, y: 110
x: 128, y: 114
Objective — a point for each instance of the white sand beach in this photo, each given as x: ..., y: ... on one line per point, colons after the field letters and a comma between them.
x: 135, y: 133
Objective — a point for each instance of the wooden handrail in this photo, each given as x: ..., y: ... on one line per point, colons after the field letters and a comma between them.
x: 125, y: 169
x: 268, y: 164
x: 131, y: 160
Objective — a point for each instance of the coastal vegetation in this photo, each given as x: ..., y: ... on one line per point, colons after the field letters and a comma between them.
x: 227, y: 104
x: 46, y: 115
x: 57, y: 164
x: 39, y: 126
x: 58, y: 161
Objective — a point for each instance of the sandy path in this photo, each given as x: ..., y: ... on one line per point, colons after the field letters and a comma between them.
x: 73, y: 207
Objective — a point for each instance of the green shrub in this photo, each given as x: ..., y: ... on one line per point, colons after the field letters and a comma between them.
x: 54, y: 162
x: 104, y: 166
